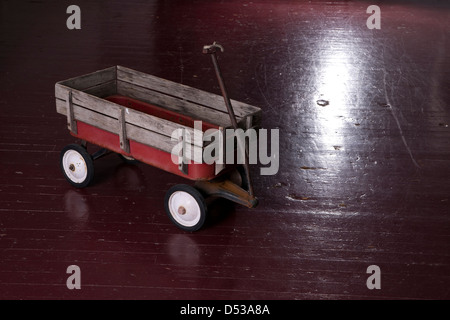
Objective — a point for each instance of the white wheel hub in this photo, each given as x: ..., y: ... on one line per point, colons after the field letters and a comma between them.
x: 184, y: 208
x: 74, y: 166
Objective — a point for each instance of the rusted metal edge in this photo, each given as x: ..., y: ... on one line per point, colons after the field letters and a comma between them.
x: 228, y: 190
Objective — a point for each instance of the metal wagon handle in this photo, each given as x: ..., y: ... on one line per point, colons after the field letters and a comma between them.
x: 212, y: 49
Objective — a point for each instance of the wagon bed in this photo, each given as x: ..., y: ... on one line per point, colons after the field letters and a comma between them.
x: 134, y: 114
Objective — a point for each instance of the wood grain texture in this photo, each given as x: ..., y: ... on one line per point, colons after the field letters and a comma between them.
x: 183, y: 92
x: 85, y: 93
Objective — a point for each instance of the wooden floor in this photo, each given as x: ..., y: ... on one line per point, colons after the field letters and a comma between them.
x: 363, y: 180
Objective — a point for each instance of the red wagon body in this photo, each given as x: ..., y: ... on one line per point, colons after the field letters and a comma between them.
x: 144, y: 152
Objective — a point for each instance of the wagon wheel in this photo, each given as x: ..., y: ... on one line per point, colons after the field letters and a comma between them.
x: 77, y: 165
x: 185, y: 207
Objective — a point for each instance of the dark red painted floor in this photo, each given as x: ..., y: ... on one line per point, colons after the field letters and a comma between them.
x: 363, y: 181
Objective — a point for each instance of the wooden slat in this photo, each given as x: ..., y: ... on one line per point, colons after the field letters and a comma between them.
x: 94, y: 103
x: 88, y: 116
x: 133, y: 132
x: 159, y: 141
x: 162, y: 126
x: 103, y: 90
x: 174, y: 104
x: 197, y: 96
x: 91, y: 79
x: 137, y: 118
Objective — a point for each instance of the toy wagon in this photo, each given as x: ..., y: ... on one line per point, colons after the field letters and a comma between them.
x: 134, y: 115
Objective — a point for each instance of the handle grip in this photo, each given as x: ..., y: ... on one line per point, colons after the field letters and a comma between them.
x: 212, y: 48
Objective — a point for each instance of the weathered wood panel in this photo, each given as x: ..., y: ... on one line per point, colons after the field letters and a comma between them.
x: 88, y: 101
x: 90, y: 117
x: 88, y: 106
x: 159, y: 125
x: 112, y: 109
x: 133, y: 132
x: 103, y: 90
x: 192, y: 110
x: 159, y: 141
x: 91, y: 79
x: 178, y: 90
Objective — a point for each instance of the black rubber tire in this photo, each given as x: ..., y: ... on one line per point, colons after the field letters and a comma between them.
x: 199, y: 199
x: 88, y: 162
